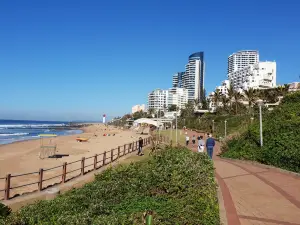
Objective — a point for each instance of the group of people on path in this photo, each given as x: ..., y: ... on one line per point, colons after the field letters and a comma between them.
x: 209, y: 144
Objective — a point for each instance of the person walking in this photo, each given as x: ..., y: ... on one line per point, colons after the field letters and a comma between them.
x: 210, y: 144
x: 187, y: 140
x: 140, y: 147
x: 194, y: 140
x: 201, y: 144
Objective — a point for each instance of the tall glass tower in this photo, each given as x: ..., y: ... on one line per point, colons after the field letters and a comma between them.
x: 194, y: 76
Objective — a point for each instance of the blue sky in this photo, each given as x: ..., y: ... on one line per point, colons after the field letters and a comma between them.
x: 66, y: 60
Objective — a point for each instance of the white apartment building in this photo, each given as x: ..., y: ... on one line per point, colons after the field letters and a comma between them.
x: 223, y: 88
x: 138, y: 108
x: 241, y: 59
x: 162, y: 99
x: 261, y: 75
x: 157, y: 99
x: 178, y: 97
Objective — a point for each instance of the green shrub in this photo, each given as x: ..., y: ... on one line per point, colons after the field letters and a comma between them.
x: 4, y: 210
x: 176, y: 184
x: 281, y: 135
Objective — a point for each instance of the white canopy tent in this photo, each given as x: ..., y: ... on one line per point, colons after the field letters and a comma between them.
x: 148, y: 121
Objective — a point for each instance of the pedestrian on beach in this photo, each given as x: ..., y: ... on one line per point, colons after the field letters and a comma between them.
x: 140, y: 147
x: 187, y: 140
x: 194, y: 140
x: 210, y: 144
x: 201, y: 144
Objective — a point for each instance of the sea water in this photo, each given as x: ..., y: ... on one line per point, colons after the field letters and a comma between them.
x: 21, y: 130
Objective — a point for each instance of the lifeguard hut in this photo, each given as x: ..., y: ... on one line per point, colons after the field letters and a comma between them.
x: 47, y: 145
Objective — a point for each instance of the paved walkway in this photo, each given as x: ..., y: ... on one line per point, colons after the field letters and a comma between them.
x: 254, y: 194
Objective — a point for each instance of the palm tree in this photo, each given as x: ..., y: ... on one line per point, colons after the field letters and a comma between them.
x: 250, y: 95
x: 237, y: 97
x: 225, y: 101
x: 230, y: 93
x: 217, y: 97
x: 196, y: 103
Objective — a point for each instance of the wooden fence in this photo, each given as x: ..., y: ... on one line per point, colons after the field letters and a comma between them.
x: 63, y: 173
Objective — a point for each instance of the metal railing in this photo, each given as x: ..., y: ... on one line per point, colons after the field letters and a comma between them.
x: 93, y: 163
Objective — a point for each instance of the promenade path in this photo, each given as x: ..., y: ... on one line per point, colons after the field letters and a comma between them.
x: 256, y: 194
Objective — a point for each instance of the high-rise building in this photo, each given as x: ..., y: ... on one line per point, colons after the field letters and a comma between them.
x: 241, y: 59
x: 178, y: 80
x: 261, y: 75
x: 193, y: 79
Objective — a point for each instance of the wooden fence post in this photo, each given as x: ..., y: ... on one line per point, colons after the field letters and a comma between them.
x: 124, y: 151
x: 119, y: 151
x: 7, y: 186
x: 112, y: 155
x: 104, y: 158
x: 64, y: 173
x: 40, y: 183
x: 82, y: 165
x: 132, y: 147
x: 95, y: 162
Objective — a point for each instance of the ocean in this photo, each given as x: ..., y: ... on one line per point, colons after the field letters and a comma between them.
x: 21, y: 130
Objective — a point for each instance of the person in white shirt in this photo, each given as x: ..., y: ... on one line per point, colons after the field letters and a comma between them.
x: 187, y: 140
x: 201, y: 144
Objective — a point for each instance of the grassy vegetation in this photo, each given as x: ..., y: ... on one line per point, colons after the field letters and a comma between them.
x: 172, y: 135
x: 281, y: 132
x: 176, y: 184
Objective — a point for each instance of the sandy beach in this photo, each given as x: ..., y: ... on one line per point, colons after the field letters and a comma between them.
x: 23, y: 157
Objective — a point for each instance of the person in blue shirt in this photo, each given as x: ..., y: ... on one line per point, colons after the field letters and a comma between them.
x: 210, y: 144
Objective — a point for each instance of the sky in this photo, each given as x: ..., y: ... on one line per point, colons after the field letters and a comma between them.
x: 75, y: 60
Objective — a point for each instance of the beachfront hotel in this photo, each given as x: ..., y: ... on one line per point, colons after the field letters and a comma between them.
x: 261, y: 75
x: 241, y: 59
x: 245, y: 71
x: 162, y: 99
x: 193, y: 77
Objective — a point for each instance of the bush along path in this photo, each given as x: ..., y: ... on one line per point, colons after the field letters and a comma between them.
x: 256, y: 194
x: 176, y: 185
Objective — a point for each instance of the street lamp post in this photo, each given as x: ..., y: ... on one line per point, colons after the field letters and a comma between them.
x: 260, y: 104
x: 176, y: 127
x: 225, y: 128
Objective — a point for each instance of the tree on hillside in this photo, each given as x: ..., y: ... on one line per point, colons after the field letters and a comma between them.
x: 217, y: 98
x: 151, y: 111
x: 139, y: 114
x: 160, y: 113
x: 172, y: 108
x: 283, y: 89
x: 237, y: 97
x: 250, y: 95
x: 230, y: 93
x: 225, y: 102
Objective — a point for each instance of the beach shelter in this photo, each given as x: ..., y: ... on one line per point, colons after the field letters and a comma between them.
x: 47, y: 145
x: 147, y: 121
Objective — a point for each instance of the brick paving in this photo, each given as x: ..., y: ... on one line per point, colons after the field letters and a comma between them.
x: 254, y: 195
